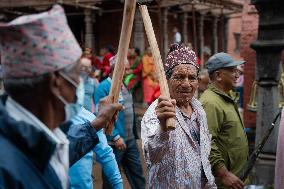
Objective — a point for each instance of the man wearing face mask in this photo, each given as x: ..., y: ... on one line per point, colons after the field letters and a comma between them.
x: 123, y: 137
x: 81, y: 172
x: 40, y: 57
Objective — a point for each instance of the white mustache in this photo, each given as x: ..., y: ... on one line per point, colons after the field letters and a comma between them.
x: 189, y: 90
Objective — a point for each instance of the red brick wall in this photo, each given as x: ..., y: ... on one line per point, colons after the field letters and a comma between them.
x: 234, y: 26
x: 248, y: 35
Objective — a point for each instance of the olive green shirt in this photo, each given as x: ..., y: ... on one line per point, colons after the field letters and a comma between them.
x: 229, y: 145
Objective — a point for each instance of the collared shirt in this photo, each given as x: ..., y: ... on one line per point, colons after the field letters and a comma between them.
x: 229, y: 145
x: 174, y: 159
x: 128, y: 113
x: 104, y: 155
x: 125, y: 98
x: 60, y: 159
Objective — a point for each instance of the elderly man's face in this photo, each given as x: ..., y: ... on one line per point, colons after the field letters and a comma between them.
x: 183, y: 83
x: 228, y: 77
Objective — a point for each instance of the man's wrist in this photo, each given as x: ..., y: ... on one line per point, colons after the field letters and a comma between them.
x: 116, y: 138
x: 98, y: 123
x: 222, y: 172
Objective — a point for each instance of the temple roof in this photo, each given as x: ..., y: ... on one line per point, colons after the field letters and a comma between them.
x: 218, y: 7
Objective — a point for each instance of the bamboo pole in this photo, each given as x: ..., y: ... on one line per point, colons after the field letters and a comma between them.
x: 170, y: 123
x: 126, y: 30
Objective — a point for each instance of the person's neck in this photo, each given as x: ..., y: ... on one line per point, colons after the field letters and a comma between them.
x: 43, y: 110
x: 221, y: 87
x: 185, y: 107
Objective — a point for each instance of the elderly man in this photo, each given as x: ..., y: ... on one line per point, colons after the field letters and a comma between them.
x: 178, y: 158
x: 123, y: 137
x: 81, y: 172
x: 39, y: 55
x: 229, y: 149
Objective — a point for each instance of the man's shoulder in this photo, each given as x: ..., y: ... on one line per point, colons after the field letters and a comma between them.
x: 13, y: 162
x: 105, y: 82
x: 83, y: 116
x: 104, y: 86
x: 17, y: 170
x: 209, y: 96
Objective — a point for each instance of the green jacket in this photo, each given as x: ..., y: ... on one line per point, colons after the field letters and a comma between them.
x: 229, y: 145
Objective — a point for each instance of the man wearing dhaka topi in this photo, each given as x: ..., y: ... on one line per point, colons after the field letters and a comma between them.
x: 178, y: 158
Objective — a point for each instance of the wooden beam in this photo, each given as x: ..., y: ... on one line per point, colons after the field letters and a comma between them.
x: 34, y: 3
x: 170, y: 123
x: 124, y: 40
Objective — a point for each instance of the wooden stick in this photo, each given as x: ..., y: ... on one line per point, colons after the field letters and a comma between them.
x: 170, y: 123
x: 126, y: 29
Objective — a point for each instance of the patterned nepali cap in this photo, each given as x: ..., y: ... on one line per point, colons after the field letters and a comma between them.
x: 180, y: 54
x: 36, y: 44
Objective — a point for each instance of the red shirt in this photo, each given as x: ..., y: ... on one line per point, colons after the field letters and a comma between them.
x: 106, y: 63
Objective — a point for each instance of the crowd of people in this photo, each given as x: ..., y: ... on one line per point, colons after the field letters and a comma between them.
x: 56, y: 106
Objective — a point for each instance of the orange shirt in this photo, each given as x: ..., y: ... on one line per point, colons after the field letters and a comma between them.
x: 148, y: 66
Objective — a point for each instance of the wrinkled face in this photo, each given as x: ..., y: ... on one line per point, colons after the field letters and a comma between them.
x: 183, y: 83
x: 228, y: 77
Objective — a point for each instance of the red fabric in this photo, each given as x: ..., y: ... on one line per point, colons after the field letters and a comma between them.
x: 151, y: 91
x: 97, y: 63
x: 138, y: 69
x: 106, y: 63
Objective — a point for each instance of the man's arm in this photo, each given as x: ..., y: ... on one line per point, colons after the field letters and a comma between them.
x: 154, y: 136
x: 84, y: 137
x: 101, y: 92
x: 106, y: 158
x: 214, y: 118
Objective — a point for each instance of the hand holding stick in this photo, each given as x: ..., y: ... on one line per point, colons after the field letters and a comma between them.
x: 126, y: 29
x: 170, y: 123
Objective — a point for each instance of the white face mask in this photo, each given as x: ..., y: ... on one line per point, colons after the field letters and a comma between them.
x: 72, y: 109
x: 80, y: 92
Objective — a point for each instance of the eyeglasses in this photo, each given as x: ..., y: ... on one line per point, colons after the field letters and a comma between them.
x: 232, y: 70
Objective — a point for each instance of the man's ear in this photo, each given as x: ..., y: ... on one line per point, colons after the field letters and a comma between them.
x: 55, y: 83
x: 199, y: 79
x: 217, y: 75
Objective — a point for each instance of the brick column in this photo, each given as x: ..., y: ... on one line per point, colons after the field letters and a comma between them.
x: 248, y: 35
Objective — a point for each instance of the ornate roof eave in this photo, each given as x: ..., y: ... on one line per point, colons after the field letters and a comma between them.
x: 224, y: 6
